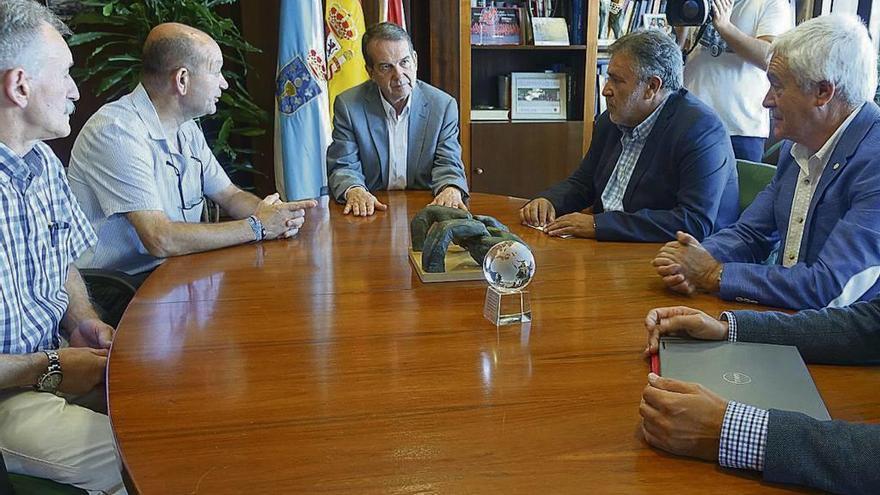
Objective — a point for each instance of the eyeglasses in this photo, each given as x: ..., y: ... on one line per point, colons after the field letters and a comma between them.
x: 386, y: 67
x: 183, y: 207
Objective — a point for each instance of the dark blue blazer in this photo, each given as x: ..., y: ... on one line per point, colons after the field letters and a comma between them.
x: 685, y: 178
x: 837, y: 456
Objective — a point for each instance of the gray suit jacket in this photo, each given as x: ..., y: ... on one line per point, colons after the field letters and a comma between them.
x: 358, y: 154
x: 835, y: 456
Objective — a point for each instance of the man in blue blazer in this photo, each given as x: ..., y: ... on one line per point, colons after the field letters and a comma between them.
x: 394, y: 132
x: 823, y: 206
x: 660, y: 160
x: 788, y: 447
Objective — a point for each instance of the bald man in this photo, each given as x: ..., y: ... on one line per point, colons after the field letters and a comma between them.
x: 141, y: 168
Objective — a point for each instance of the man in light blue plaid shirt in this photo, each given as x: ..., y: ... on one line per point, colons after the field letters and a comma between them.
x: 788, y: 447
x: 43, y: 300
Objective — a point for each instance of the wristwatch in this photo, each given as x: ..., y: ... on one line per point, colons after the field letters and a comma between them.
x: 51, y: 379
x: 257, y: 227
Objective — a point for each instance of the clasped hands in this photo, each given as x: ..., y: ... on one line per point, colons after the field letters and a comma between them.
x: 540, y: 213
x: 361, y: 203
x: 681, y: 417
x: 84, y: 361
x: 686, y: 266
x: 282, y: 219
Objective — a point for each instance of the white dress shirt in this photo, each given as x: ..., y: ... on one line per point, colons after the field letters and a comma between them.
x: 398, y: 133
x: 811, y: 167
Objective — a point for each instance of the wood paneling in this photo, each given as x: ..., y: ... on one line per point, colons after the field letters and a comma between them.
x: 259, y: 25
x: 523, y: 158
x: 321, y: 364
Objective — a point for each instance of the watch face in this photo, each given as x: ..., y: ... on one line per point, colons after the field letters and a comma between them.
x: 50, y: 381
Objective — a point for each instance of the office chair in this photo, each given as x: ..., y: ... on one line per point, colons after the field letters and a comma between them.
x: 110, y: 290
x: 753, y: 178
x: 19, y: 484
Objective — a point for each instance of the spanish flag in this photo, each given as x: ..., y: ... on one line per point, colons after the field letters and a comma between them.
x: 345, y: 62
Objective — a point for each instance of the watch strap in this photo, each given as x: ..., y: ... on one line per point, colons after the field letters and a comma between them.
x: 54, y: 367
x: 257, y: 227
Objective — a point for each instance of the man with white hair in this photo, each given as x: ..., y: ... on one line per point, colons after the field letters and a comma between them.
x: 821, y: 208
x: 43, y: 300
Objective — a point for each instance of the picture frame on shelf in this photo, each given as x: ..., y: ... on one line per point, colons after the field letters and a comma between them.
x: 496, y: 26
x: 656, y: 21
x: 550, y: 31
x: 538, y: 96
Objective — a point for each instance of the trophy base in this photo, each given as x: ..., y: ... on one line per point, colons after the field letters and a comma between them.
x: 507, y: 308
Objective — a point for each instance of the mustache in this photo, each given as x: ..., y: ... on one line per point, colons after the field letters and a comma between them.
x: 70, y: 108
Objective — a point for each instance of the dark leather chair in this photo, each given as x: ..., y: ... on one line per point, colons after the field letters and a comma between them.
x: 28, y: 485
x: 111, y: 291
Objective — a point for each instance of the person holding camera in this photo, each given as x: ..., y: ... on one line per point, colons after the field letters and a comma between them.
x: 727, y: 65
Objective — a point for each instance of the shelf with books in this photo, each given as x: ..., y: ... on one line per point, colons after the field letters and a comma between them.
x: 576, y: 48
x: 489, y: 69
x: 474, y: 72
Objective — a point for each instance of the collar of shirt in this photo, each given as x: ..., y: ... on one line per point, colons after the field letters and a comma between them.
x: 141, y: 101
x: 390, y: 112
x: 17, y: 167
x: 641, y: 131
x: 801, y: 155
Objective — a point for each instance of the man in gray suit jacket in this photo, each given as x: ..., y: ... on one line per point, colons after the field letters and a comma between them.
x: 687, y: 419
x: 394, y: 132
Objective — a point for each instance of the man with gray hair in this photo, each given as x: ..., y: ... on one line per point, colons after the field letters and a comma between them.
x: 141, y: 167
x: 43, y: 302
x: 393, y: 131
x: 660, y: 160
x: 821, y: 208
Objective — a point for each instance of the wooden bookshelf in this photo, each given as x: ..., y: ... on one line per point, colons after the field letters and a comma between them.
x: 516, y: 158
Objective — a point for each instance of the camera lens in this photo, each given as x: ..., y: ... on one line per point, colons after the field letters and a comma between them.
x: 690, y: 9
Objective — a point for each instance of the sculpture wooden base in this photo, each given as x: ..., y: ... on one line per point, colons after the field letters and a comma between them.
x: 507, y: 308
x: 459, y: 267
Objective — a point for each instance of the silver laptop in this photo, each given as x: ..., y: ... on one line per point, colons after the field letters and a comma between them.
x: 764, y: 375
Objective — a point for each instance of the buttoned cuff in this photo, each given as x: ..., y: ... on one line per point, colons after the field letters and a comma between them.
x: 731, y: 325
x: 743, y: 437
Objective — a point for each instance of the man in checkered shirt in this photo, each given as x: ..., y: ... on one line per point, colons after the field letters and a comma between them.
x: 43, y: 301
x: 687, y: 419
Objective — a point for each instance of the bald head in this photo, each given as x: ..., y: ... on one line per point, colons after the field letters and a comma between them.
x: 171, y: 46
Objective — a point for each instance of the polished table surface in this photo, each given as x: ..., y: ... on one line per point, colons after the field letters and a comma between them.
x: 322, y: 364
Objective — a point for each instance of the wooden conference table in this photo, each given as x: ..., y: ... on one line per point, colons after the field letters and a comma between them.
x: 323, y: 365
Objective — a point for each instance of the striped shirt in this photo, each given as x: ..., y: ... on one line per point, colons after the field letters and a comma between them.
x: 743, y: 441
x: 43, y: 231
x: 632, y: 141
x: 122, y: 161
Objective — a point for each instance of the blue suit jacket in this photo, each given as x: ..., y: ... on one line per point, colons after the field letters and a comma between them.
x: 685, y: 177
x: 358, y: 154
x: 830, y: 455
x: 839, y: 260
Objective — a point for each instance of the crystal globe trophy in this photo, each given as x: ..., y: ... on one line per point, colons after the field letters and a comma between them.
x: 508, y: 267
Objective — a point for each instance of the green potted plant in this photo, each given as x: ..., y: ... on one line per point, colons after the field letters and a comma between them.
x: 115, y: 31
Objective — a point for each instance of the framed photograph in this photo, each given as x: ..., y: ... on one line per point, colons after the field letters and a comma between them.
x: 538, y: 96
x: 496, y: 26
x: 550, y: 31
x: 656, y: 21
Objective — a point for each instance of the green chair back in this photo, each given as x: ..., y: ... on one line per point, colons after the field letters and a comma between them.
x: 28, y: 485
x: 753, y: 178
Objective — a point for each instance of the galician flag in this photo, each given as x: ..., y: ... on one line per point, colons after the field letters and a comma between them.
x: 302, y: 114
x: 345, y: 62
